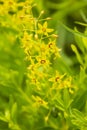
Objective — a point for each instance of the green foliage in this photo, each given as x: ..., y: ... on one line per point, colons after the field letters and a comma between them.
x: 38, y: 90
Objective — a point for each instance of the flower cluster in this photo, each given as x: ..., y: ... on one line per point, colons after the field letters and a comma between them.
x: 39, y: 44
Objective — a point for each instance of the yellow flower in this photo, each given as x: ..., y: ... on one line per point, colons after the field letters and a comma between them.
x: 32, y: 67
x: 67, y: 83
x: 57, y: 78
x: 53, y: 48
x: 43, y: 29
x: 43, y: 61
x: 27, y: 38
x: 29, y: 46
x: 51, y: 45
x: 43, y: 49
x: 27, y: 43
x: 56, y: 81
x: 34, y: 79
x: 39, y: 101
x: 10, y: 6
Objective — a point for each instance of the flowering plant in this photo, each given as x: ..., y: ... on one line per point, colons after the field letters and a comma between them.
x: 34, y: 94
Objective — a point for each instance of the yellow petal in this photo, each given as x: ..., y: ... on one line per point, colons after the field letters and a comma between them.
x: 45, y: 25
x: 40, y: 26
x: 50, y: 30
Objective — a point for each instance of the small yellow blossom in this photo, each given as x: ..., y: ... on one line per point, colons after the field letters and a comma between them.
x: 53, y: 48
x: 56, y: 81
x: 67, y: 83
x: 27, y: 38
x: 43, y: 49
x: 34, y: 80
x: 43, y: 61
x: 39, y: 101
x: 32, y: 67
x: 9, y: 6
x: 26, y: 43
x: 57, y: 78
x: 51, y: 44
x: 43, y: 29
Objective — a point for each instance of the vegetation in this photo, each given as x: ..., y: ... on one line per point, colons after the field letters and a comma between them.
x: 42, y: 87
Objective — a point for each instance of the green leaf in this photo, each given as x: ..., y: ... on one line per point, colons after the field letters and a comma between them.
x: 83, y: 24
x: 73, y: 31
x: 79, y: 42
x: 66, y: 98
x: 7, y: 115
x: 83, y: 16
x: 60, y: 105
x: 84, y: 39
x: 77, y: 54
x: 2, y: 118
x: 14, y: 111
x: 78, y: 119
